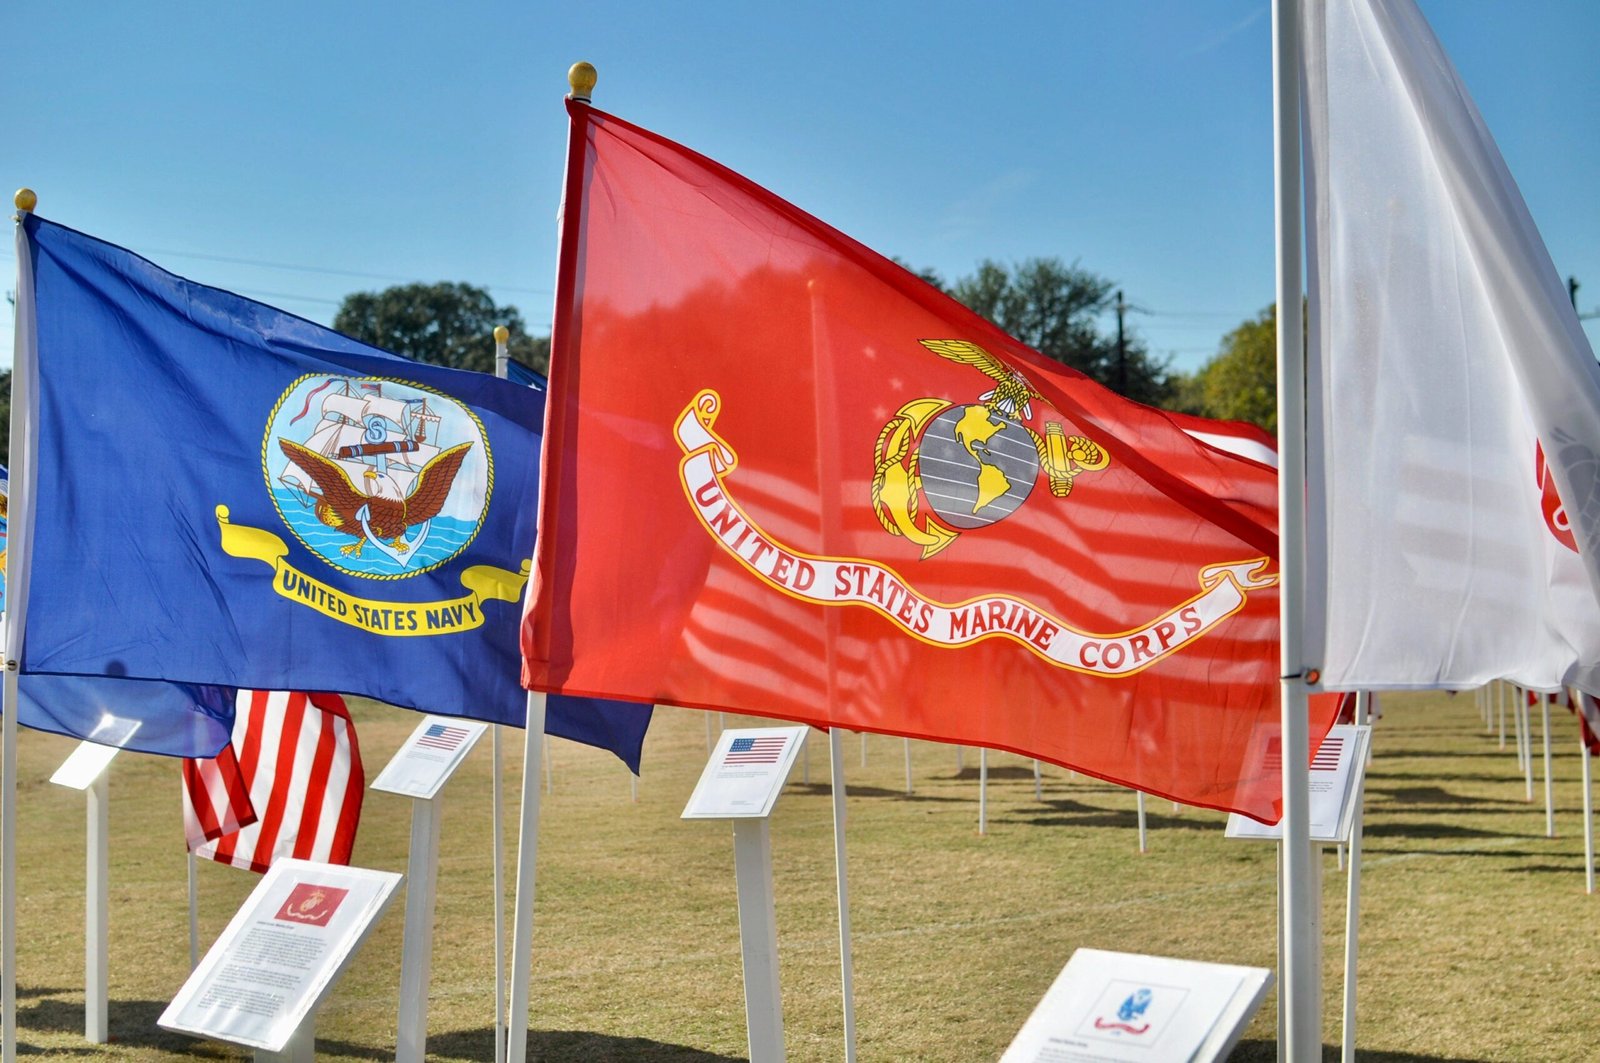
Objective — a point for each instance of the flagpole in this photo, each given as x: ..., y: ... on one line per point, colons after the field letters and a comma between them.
x: 194, y: 914
x: 527, y: 856
x: 1300, y: 991
x: 1549, y: 791
x: 581, y: 77
x: 1588, y: 817
x: 20, y: 541
x: 1144, y: 838
x: 502, y: 359
x: 846, y: 964
x: 983, y: 790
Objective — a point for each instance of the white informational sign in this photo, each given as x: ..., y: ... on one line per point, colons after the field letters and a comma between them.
x: 1116, y: 1006
x: 1336, y: 774
x: 746, y: 770
x: 430, y: 756
x: 84, y: 765
x: 281, y: 952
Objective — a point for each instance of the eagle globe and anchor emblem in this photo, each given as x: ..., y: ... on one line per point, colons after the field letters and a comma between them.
x: 973, y: 464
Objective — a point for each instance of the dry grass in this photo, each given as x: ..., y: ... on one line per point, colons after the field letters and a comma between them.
x: 1478, y: 942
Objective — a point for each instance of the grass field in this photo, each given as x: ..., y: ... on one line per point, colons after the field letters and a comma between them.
x: 1478, y: 942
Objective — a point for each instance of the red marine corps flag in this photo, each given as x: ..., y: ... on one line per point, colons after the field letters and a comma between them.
x: 785, y: 477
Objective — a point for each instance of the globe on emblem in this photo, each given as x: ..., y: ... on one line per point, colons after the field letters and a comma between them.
x: 977, y: 466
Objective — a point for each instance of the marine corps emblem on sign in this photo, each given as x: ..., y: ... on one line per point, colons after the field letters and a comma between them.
x: 942, y: 468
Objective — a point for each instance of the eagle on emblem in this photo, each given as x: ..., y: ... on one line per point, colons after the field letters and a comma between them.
x: 382, y: 520
x: 1011, y: 392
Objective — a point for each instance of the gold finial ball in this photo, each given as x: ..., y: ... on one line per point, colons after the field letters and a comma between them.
x: 25, y: 199
x: 501, y: 334
x: 582, y: 77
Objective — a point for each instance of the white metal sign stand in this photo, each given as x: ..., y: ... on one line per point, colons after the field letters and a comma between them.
x: 425, y: 761
x: 85, y: 769
x: 1118, y: 1007
x: 264, y: 978
x: 741, y: 782
x: 1338, y: 777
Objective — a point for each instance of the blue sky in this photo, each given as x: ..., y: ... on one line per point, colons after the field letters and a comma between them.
x: 356, y: 145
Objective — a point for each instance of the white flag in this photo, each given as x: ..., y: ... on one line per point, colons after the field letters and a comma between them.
x: 1444, y: 360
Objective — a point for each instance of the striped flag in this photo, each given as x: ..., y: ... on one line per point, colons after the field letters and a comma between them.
x: 755, y: 750
x: 1327, y: 756
x: 443, y: 736
x: 289, y: 784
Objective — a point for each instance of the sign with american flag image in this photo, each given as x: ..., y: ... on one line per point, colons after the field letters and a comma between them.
x: 745, y: 773
x: 1337, y: 769
x: 430, y: 756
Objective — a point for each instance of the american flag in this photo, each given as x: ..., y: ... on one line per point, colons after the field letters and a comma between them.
x: 755, y: 750
x: 289, y: 784
x: 1327, y: 758
x: 443, y: 736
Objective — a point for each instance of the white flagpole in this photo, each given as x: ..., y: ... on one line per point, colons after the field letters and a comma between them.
x: 983, y: 789
x: 1038, y: 782
x: 502, y: 367
x: 527, y: 856
x: 1588, y: 820
x: 1300, y: 990
x: 908, y: 766
x: 194, y: 915
x: 24, y: 357
x: 582, y: 79
x: 1352, y: 908
x: 863, y: 749
x: 1549, y: 791
x: 1144, y: 838
x: 846, y: 963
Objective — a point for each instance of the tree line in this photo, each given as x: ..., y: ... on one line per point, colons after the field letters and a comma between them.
x: 1057, y: 308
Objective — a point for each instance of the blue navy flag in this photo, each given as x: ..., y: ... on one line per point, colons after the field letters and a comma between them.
x: 518, y: 373
x: 231, y: 495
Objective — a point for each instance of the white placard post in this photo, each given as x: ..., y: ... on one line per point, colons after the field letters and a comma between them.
x: 419, y: 770
x: 1338, y: 775
x: 261, y: 982
x: 1116, y: 1006
x: 85, y: 769
x: 741, y: 782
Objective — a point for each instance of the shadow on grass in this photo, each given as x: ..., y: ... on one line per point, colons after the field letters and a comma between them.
x: 133, y: 1024
x: 1073, y: 814
x: 570, y: 1046
x: 1258, y: 1051
x: 818, y: 789
x: 1403, y: 829
x: 1436, y: 795
x: 1386, y: 776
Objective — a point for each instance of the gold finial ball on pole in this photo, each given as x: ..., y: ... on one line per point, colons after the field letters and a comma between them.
x: 501, y: 334
x: 25, y: 199
x: 582, y: 77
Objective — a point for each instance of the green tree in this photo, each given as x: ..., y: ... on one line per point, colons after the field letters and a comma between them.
x: 448, y: 324
x: 1055, y: 308
x: 1241, y: 382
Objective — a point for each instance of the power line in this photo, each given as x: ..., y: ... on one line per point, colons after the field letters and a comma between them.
x: 329, y: 270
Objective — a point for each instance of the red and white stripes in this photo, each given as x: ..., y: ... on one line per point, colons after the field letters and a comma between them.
x: 290, y: 784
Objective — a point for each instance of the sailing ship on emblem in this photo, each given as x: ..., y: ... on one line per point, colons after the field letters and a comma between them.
x: 374, y: 469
